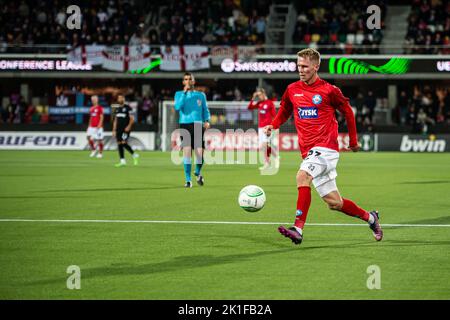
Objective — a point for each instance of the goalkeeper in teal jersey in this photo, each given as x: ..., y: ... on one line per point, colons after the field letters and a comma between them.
x: 194, y: 120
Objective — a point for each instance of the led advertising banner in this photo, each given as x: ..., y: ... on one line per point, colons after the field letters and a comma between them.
x: 173, y: 60
x: 68, y: 140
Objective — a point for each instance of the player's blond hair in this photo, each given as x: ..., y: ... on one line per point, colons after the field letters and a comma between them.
x: 261, y: 89
x: 310, y: 53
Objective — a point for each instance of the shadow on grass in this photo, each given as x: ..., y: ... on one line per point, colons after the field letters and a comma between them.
x: 197, y: 261
x: 22, y: 175
x: 415, y: 243
x: 425, y: 182
x: 437, y: 221
x: 44, y: 197
x: 109, y: 189
x: 172, y: 265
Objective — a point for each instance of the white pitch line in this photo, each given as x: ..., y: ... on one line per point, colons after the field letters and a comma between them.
x: 224, y: 222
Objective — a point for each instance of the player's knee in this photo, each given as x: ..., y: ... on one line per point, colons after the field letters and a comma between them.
x: 303, y: 178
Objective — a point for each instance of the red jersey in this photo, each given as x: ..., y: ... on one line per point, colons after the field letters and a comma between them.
x: 266, y: 111
x: 95, y: 113
x: 314, y: 109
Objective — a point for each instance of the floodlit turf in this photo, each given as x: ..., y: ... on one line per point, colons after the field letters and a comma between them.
x: 218, y: 261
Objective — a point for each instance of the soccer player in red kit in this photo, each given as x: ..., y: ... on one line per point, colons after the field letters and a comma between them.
x: 313, y: 102
x: 95, y: 128
x: 266, y: 113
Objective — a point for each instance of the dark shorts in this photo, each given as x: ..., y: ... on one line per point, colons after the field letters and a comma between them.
x: 193, y: 136
x: 122, y: 135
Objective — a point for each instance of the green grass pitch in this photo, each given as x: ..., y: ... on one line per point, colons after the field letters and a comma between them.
x: 149, y: 260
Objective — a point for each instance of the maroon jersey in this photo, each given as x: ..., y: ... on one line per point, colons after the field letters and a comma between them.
x: 314, y: 109
x: 95, y: 112
x: 266, y: 111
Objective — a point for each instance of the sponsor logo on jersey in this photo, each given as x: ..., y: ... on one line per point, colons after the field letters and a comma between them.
x: 298, y: 95
x: 308, y: 112
x: 317, y: 99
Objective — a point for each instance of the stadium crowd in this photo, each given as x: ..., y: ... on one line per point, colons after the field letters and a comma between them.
x: 209, y: 22
x: 422, y: 107
x: 338, y: 26
x: 29, y: 23
x: 429, y: 27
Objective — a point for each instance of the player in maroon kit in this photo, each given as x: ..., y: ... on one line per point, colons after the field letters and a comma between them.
x: 266, y: 113
x: 95, y: 128
x: 313, y: 102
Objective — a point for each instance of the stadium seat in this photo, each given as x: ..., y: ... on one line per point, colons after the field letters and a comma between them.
x: 359, y: 38
x: 307, y: 38
x: 350, y: 38
x: 315, y: 37
x: 333, y: 37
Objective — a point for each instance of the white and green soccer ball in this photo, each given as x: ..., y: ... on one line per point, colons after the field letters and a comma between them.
x: 252, y: 198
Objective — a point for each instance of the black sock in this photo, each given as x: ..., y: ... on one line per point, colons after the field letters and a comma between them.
x: 126, y: 146
x: 121, y: 153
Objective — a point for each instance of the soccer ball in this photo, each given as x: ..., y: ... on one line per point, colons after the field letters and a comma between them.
x: 252, y: 198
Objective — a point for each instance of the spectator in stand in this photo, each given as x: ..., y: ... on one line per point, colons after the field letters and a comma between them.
x: 370, y: 103
x: 4, y: 115
x: 358, y: 103
x: 144, y: 110
x: 12, y: 110
x: 339, y: 27
x: 62, y: 100
x: 402, y: 107
x: 22, y: 109
x: 29, y: 113
x: 427, y: 23
x: 424, y: 123
x: 443, y: 105
x: 123, y: 22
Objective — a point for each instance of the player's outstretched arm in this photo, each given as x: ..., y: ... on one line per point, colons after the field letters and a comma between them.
x: 285, y: 111
x: 347, y: 111
x: 343, y: 106
x: 355, y: 148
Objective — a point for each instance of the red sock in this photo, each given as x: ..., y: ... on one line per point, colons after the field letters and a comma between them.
x: 303, y: 203
x: 350, y: 208
x: 100, y: 146
x: 91, y: 144
x: 269, y: 152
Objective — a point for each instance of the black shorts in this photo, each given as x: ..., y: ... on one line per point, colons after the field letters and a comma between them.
x: 192, y: 135
x: 122, y: 135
